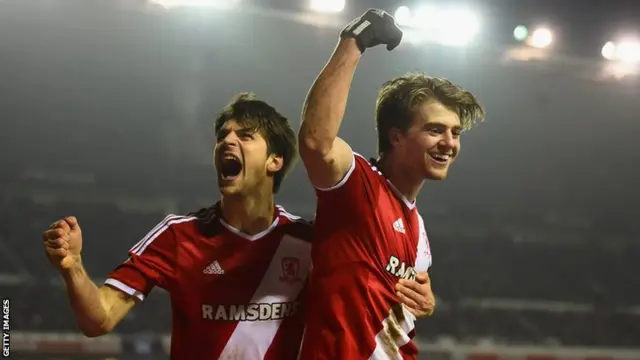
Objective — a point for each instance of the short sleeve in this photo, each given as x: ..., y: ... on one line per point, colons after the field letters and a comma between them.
x: 151, y: 262
x: 349, y: 197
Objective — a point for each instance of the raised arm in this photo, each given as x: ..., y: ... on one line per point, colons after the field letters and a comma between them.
x: 97, y: 309
x: 326, y: 157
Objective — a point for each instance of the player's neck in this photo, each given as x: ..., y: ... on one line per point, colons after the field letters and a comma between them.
x: 250, y: 214
x: 400, y: 176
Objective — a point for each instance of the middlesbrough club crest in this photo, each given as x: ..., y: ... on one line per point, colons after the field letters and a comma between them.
x: 290, y: 270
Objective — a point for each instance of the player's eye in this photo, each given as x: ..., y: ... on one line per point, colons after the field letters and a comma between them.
x: 221, y: 135
x: 246, y: 137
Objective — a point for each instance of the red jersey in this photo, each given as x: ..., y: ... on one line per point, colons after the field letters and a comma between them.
x: 233, y: 295
x: 366, y: 236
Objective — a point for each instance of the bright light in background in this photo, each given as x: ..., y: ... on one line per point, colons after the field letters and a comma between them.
x: 220, y: 4
x: 327, y: 6
x: 457, y: 26
x: 609, y: 51
x: 627, y: 51
x: 423, y: 16
x: 541, y: 38
x: 403, y: 16
x: 520, y: 33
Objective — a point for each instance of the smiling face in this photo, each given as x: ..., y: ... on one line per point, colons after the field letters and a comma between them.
x: 431, y: 143
x: 419, y: 120
x: 242, y: 160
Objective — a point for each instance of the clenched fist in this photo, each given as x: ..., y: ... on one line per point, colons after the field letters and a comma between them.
x: 63, y: 243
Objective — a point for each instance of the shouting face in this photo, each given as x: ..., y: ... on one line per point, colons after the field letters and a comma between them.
x: 242, y: 160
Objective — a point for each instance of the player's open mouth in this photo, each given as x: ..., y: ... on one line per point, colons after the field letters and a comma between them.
x: 441, y: 159
x: 230, y: 167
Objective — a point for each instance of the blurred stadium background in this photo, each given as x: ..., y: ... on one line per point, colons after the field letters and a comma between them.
x: 105, y: 113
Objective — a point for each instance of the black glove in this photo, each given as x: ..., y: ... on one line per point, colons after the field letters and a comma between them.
x: 372, y: 28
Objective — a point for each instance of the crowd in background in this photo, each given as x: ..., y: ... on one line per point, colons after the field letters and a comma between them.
x: 499, y: 288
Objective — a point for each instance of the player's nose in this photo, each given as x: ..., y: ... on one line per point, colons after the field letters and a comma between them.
x: 229, y: 141
x: 448, y: 141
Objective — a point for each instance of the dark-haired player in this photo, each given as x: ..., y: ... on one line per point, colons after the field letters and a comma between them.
x: 236, y: 271
x: 370, y: 241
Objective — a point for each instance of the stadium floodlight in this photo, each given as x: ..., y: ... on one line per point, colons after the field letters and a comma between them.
x: 457, y: 26
x: 403, y: 16
x: 520, y: 33
x: 426, y: 17
x: 627, y: 51
x: 541, y: 38
x: 609, y: 50
x: 220, y: 4
x: 327, y: 6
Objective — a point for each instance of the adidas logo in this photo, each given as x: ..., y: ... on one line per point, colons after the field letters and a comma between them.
x: 213, y: 269
x: 398, y: 226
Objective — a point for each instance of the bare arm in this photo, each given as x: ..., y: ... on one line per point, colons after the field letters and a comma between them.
x: 326, y: 157
x: 97, y: 310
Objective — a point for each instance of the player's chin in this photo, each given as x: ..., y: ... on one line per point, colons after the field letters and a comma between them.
x: 229, y: 186
x: 437, y: 174
x: 229, y: 191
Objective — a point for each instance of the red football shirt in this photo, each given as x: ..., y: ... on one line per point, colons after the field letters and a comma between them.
x: 233, y: 295
x: 367, y: 236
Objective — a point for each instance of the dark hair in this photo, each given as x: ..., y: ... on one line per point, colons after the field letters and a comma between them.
x: 258, y: 116
x: 399, y: 97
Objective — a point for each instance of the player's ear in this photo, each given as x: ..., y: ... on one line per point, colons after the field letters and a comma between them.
x: 394, y: 135
x: 274, y: 163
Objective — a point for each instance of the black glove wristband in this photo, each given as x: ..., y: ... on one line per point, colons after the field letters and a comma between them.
x: 359, y: 41
x: 374, y: 27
